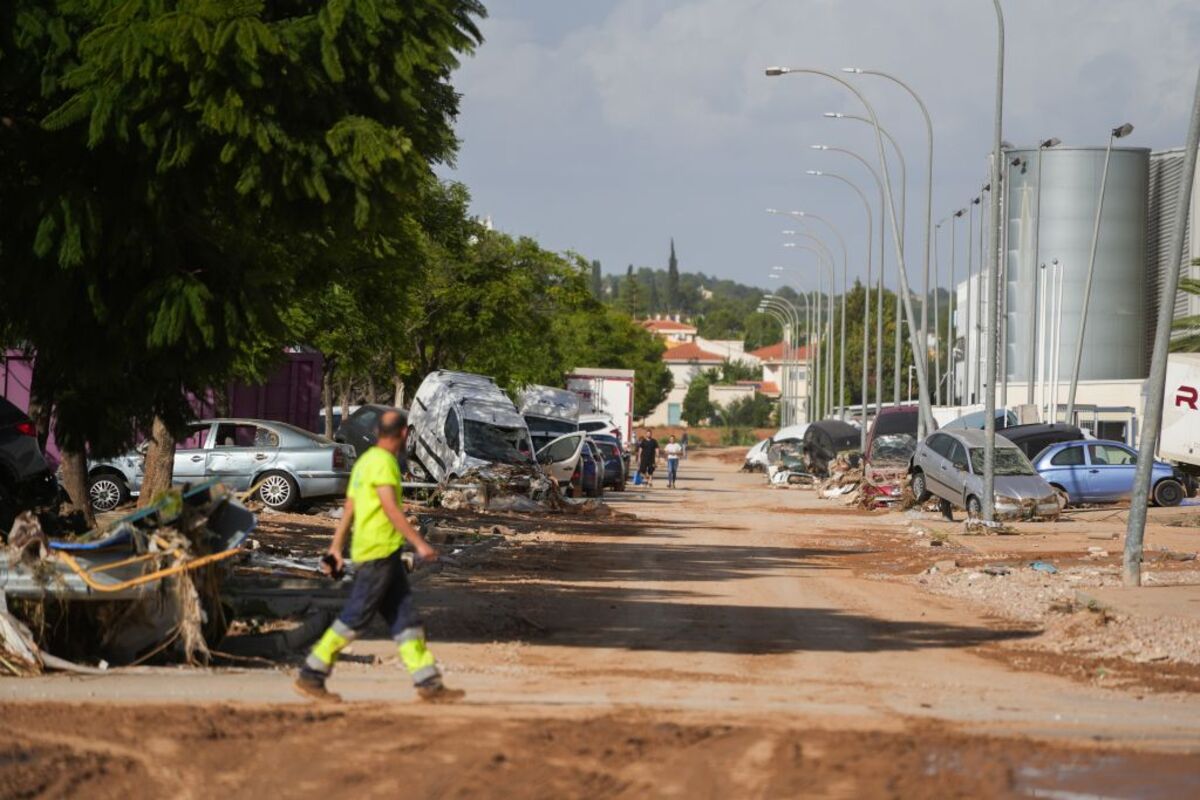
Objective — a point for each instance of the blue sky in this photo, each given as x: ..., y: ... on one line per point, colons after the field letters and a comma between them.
x: 609, y: 126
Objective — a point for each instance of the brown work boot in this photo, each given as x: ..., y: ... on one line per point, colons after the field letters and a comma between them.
x: 434, y: 691
x: 314, y: 689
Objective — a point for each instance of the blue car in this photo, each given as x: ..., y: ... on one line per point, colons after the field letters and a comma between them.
x: 1099, y: 471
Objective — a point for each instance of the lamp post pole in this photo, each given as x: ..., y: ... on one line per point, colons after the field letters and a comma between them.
x: 808, y: 351
x: 879, y: 285
x: 928, y: 194
x: 1116, y: 133
x: 867, y: 304
x: 989, y: 398
x: 951, y: 338
x: 827, y: 260
x: 1152, y: 421
x: 896, y: 339
x: 922, y: 376
x: 937, y: 326
x: 775, y: 305
x: 1035, y: 269
x: 824, y: 258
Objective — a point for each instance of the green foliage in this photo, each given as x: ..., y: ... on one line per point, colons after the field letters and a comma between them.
x: 1189, y: 339
x: 762, y: 330
x: 630, y: 295
x: 175, y: 177
x: 697, y: 409
x: 730, y: 372
x: 672, y: 297
x: 747, y: 412
x: 597, y: 281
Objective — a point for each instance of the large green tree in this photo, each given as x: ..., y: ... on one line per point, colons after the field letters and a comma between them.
x: 174, y: 174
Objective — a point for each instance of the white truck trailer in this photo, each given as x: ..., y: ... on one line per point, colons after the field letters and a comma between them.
x: 1179, y: 441
x: 605, y: 391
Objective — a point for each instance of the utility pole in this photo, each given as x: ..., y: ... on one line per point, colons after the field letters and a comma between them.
x: 1135, y: 529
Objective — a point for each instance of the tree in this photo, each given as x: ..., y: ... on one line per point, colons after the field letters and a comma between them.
x: 1189, y: 342
x: 748, y: 412
x: 597, y: 281
x: 697, y: 409
x: 174, y: 174
x: 762, y: 330
x: 672, y: 280
x: 631, y: 294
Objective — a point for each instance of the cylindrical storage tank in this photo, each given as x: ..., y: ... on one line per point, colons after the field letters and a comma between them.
x: 1070, y: 191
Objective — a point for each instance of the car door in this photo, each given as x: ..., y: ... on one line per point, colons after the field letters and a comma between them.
x: 957, y: 471
x: 936, y: 465
x: 1068, y: 469
x: 191, y: 453
x: 559, y: 458
x: 1110, y: 472
x: 240, y: 451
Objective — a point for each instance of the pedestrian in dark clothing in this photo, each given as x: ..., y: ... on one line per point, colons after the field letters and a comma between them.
x: 647, y: 457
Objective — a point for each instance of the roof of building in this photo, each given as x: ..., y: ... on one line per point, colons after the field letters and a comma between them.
x: 691, y: 352
x: 773, y: 353
x: 667, y: 326
x: 770, y: 388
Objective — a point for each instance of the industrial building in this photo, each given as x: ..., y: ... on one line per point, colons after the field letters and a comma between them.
x: 1049, y: 213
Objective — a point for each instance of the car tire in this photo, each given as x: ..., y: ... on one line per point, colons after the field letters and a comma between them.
x: 974, y: 507
x: 619, y: 486
x: 107, y: 491
x: 1168, y: 492
x: 278, y: 491
x: 919, y: 489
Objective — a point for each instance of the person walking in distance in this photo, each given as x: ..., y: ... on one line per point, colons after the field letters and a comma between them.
x: 647, y: 457
x: 673, y: 450
x: 373, y: 508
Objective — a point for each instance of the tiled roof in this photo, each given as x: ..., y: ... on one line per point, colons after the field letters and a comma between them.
x: 667, y: 326
x: 691, y: 352
x: 773, y: 353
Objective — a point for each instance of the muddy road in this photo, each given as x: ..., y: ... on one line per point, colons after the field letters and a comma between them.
x: 717, y: 640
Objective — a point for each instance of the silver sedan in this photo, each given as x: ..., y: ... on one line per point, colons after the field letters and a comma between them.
x: 949, y: 465
x: 288, y: 464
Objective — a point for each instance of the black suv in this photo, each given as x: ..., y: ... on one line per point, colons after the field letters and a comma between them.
x: 25, y: 479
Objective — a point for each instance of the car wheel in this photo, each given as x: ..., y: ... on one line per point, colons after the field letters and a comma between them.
x: 974, y: 508
x: 918, y: 487
x: 278, y: 490
x: 619, y: 486
x: 1168, y: 492
x: 107, y: 491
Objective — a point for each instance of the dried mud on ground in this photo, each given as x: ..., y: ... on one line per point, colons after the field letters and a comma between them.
x: 360, y: 751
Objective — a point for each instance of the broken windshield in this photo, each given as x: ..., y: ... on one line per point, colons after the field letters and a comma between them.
x: 1009, y: 461
x: 893, y: 448
x: 496, y: 444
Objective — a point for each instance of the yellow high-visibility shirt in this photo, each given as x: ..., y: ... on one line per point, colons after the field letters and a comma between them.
x: 374, y: 536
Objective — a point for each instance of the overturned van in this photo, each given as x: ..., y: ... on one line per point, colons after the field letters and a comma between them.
x: 463, y: 423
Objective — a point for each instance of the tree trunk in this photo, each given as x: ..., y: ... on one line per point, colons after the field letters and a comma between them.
x: 345, y: 401
x: 327, y: 400
x: 74, y: 477
x: 370, y: 389
x: 398, y: 396
x: 159, y: 467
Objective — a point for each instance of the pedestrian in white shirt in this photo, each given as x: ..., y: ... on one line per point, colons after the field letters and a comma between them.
x: 673, y: 450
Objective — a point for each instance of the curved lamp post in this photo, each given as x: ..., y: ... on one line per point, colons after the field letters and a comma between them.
x: 896, y: 360
x: 879, y: 290
x: 813, y: 360
x: 1043, y: 146
x: 867, y: 304
x: 826, y: 260
x: 922, y: 376
x: 790, y: 380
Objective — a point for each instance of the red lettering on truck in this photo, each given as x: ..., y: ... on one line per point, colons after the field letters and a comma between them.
x: 1187, y: 396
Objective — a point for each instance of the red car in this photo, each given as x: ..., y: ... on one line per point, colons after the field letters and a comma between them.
x: 891, y: 443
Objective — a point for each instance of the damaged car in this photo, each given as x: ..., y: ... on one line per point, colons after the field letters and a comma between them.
x: 949, y: 465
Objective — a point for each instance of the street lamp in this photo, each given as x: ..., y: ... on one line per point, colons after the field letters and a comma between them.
x: 937, y: 327
x: 787, y: 410
x: 951, y: 339
x: 791, y: 328
x: 813, y: 369
x: 903, y: 229
x: 827, y: 261
x: 989, y: 402
x: 777, y: 272
x: 882, y: 257
x: 922, y: 377
x: 928, y: 188
x: 1043, y: 146
x: 1120, y: 132
x: 867, y: 303
x: 845, y: 288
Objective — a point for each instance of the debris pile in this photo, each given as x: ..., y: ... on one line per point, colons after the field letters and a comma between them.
x: 125, y: 593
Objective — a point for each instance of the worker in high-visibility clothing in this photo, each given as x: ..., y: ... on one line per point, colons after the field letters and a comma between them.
x: 373, y: 505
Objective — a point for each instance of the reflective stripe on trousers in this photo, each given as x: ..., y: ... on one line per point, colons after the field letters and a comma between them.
x: 416, y: 656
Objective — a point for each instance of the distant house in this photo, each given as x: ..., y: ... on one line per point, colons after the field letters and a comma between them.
x: 772, y: 359
x: 673, y: 332
x: 685, y: 361
x: 729, y: 349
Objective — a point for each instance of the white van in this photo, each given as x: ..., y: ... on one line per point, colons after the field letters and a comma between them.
x: 462, y: 422
x: 549, y: 413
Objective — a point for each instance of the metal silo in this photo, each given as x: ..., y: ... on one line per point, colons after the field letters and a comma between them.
x: 1113, y: 347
